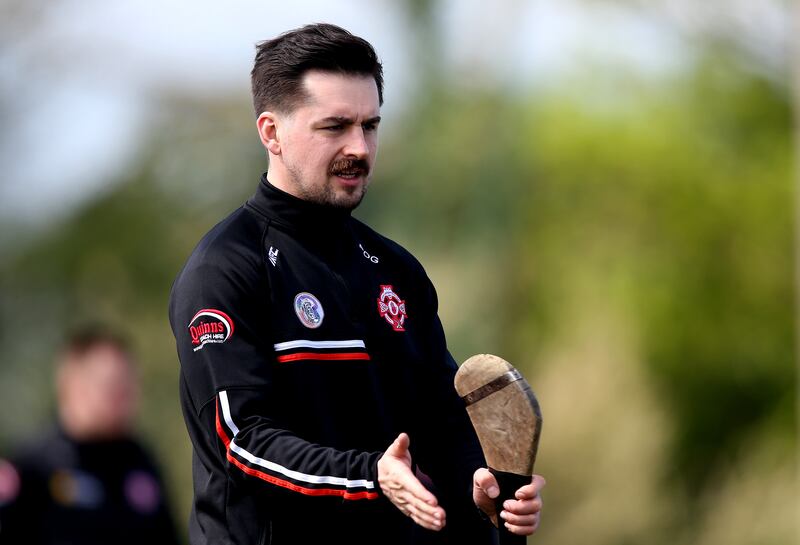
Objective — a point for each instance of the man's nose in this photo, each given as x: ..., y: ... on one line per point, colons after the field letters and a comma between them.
x: 356, y: 145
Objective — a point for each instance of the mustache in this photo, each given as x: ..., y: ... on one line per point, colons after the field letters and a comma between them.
x: 349, y: 166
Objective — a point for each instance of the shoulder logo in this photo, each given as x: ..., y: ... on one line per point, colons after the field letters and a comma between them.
x: 308, y: 310
x: 391, y: 308
x: 210, y: 325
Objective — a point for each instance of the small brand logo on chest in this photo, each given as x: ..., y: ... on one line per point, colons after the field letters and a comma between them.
x: 367, y: 255
x: 273, y: 256
x: 391, y: 308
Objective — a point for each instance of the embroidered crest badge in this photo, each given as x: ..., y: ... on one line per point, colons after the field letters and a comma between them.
x: 308, y: 310
x: 392, y: 308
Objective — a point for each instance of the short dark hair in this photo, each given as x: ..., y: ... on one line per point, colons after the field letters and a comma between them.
x: 282, y: 62
x: 80, y: 341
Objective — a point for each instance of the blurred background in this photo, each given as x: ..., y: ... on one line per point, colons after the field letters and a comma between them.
x: 602, y: 192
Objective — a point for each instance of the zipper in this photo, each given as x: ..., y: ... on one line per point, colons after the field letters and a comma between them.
x: 338, y: 258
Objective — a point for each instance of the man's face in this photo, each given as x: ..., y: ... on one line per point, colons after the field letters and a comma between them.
x: 99, y: 393
x: 329, y: 142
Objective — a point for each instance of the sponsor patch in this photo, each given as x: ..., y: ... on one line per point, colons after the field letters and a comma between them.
x: 210, y: 325
x: 391, y: 308
x: 308, y: 310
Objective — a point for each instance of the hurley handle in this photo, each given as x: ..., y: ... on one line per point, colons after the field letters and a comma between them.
x: 509, y: 483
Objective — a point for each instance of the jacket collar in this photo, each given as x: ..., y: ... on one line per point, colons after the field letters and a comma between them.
x: 297, y: 214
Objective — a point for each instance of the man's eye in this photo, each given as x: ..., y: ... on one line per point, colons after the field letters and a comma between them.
x: 333, y: 128
x: 370, y: 127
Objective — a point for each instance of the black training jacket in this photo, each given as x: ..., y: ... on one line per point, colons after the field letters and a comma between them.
x: 307, y: 343
x: 56, y: 490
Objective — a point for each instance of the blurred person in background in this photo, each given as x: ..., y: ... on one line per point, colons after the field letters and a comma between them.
x: 309, y: 343
x: 87, y: 480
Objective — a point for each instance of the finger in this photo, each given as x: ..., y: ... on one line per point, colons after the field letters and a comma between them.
x: 523, y: 507
x: 425, y: 524
x: 423, y: 510
x: 431, y: 521
x: 522, y: 530
x: 399, y: 447
x: 484, y: 480
x: 530, y: 491
x: 518, y: 520
x: 421, y: 505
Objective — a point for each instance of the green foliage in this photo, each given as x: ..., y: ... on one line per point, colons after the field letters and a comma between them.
x: 678, y: 210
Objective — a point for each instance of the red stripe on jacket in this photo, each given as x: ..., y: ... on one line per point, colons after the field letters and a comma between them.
x: 317, y: 356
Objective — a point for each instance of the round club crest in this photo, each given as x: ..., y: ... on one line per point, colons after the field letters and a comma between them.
x: 308, y: 310
x: 392, y: 308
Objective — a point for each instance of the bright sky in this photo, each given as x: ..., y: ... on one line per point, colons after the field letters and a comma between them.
x: 82, y: 84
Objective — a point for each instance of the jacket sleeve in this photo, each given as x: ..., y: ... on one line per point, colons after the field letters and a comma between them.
x: 219, y: 312
x: 257, y: 448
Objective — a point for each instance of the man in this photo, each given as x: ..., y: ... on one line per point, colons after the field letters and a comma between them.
x: 87, y: 482
x: 309, y: 343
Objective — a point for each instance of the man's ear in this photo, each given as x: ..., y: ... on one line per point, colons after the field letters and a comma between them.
x: 267, y: 124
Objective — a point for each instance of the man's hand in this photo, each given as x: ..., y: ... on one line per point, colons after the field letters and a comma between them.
x: 521, y: 515
x: 404, y: 490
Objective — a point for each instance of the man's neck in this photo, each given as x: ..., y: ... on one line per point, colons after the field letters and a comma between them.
x: 279, y: 177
